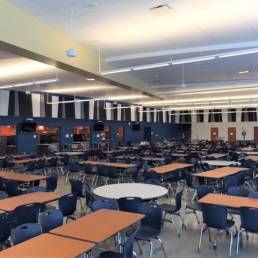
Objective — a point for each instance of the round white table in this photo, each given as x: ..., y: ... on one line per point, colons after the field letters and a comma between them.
x: 144, y: 191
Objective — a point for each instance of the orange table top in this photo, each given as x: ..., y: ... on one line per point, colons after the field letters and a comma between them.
x: 48, y: 246
x: 11, y: 203
x: 98, y: 226
x: 219, y: 173
x: 20, y: 177
x: 170, y: 168
x: 229, y: 201
x: 253, y: 158
x: 109, y: 164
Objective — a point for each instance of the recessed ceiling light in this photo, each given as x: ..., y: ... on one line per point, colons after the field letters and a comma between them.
x: 90, y: 79
x: 243, y: 72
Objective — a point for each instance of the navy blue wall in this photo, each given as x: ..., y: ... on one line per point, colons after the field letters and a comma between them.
x: 26, y: 142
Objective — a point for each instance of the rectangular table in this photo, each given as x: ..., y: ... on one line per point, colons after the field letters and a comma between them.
x: 11, y: 203
x: 220, y: 173
x: 48, y: 246
x: 234, y: 202
x: 24, y: 178
x: 109, y: 164
x: 98, y: 226
x: 253, y: 158
x: 171, y: 168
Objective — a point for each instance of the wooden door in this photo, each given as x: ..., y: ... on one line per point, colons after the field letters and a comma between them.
x: 231, y: 134
x: 214, y: 133
x: 256, y: 133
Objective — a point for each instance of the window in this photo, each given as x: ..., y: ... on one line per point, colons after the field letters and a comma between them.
x: 215, y: 115
x: 249, y: 115
x: 185, y: 117
x: 200, y: 116
x: 232, y: 115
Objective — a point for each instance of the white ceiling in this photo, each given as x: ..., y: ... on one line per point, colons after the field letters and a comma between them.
x: 129, y: 34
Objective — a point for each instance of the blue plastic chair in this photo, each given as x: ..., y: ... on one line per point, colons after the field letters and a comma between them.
x: 73, y: 169
x: 12, y: 188
x: 67, y: 204
x: 111, y: 204
x: 151, y: 225
x: 215, y: 217
x: 49, y: 220
x: 152, y: 181
x: 51, y: 183
x: 249, y: 218
x: 5, y: 226
x: 129, y: 204
x: 127, y: 249
x: 253, y: 195
x: 238, y: 191
x: 27, y: 213
x: 173, y: 210
x: 34, y: 189
x: 3, y: 195
x: 25, y: 232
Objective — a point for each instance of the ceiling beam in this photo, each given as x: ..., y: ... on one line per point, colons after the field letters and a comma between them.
x: 25, y: 35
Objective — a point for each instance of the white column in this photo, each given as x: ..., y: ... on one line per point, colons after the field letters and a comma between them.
x: 206, y: 116
x: 224, y: 115
x: 164, y: 116
x: 35, y: 98
x: 238, y: 114
x: 194, y: 117
x: 177, y: 114
x: 133, y: 116
x: 108, y: 105
x: 119, y: 114
x: 148, y: 114
x: 91, y: 109
x: 140, y: 113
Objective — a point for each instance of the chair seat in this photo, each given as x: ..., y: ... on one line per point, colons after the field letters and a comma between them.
x: 193, y: 206
x: 168, y: 208
x: 146, y: 234
x: 110, y: 254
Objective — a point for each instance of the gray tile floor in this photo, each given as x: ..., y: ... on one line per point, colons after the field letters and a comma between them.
x: 185, y: 246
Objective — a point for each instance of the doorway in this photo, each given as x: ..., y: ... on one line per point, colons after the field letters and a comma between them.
x: 231, y: 134
x: 120, y: 132
x: 214, y: 134
x: 256, y: 133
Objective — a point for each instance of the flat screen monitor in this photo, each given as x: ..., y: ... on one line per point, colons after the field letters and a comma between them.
x: 99, y: 127
x: 28, y: 127
x: 136, y: 126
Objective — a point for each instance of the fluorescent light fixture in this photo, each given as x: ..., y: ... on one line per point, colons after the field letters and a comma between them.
x: 70, y: 101
x: 243, y: 72
x: 123, y: 70
x: 6, y: 87
x: 193, y: 60
x: 150, y: 66
x: 122, y: 107
x: 23, y: 84
x: 90, y: 79
x: 85, y: 88
x: 239, y: 53
x: 21, y: 68
x: 125, y: 97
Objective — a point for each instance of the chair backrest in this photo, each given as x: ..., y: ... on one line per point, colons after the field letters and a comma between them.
x: 214, y: 216
x: 12, y: 188
x: 27, y: 213
x: 74, y: 166
x: 51, y: 183
x: 25, y: 232
x: 228, y: 182
x: 3, y: 195
x: 253, y: 195
x: 67, y: 204
x: 238, y: 191
x: 153, y: 216
x: 202, y: 190
x: 5, y: 226
x: 249, y: 218
x: 130, y: 204
x: 76, y: 187
x: 128, y: 245
x: 49, y: 220
x: 30, y: 166
x: 152, y: 181
x: 111, y: 204
x: 179, y: 196
x: 102, y: 171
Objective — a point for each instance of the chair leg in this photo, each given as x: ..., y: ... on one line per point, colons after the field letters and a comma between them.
x: 67, y: 175
x: 173, y: 221
x: 231, y: 242
x: 238, y: 241
x: 151, y: 250
x: 203, y: 228
x: 162, y: 247
x: 139, y: 247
